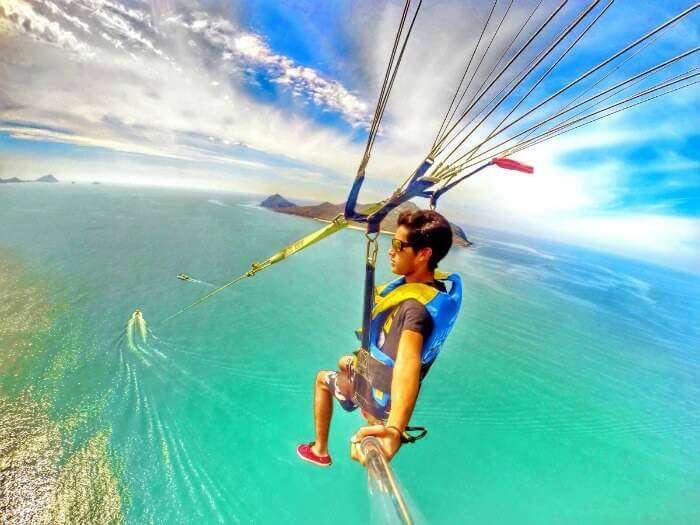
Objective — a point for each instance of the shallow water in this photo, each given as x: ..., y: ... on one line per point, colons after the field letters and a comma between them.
x: 568, y: 392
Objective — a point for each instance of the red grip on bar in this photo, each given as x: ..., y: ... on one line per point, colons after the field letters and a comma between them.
x: 510, y: 164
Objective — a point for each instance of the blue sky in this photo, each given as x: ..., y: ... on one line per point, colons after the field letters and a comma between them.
x: 276, y: 96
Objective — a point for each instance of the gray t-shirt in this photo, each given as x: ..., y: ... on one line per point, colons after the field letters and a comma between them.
x: 409, y: 315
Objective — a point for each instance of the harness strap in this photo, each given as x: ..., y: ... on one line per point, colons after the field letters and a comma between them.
x: 370, y: 263
x: 378, y: 374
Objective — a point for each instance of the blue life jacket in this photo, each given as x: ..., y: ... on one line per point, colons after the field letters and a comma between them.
x: 373, y: 368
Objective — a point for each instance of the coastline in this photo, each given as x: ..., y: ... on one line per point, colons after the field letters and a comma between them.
x: 326, y: 212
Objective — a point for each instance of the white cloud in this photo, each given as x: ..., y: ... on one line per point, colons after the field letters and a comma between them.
x: 117, y: 20
x: 303, y: 81
x: 18, y: 17
x: 670, y: 241
x: 72, y: 19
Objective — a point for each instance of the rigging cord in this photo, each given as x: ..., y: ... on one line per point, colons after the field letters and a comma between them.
x: 543, y: 76
x: 447, y: 171
x: 476, y: 70
x: 569, y: 124
x: 487, y: 79
x: 611, y: 72
x: 389, y: 77
x: 439, y: 146
x: 596, y: 68
x: 612, y: 113
x: 631, y: 80
x: 466, y: 70
x: 568, y: 127
x: 551, y: 47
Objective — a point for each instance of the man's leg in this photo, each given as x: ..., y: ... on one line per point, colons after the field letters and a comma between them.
x: 323, y: 411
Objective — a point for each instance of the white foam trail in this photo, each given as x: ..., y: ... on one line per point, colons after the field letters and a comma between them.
x: 129, y: 385
x: 183, y: 472
x: 198, y: 479
x: 130, y: 333
x: 205, y: 283
x: 226, y: 497
x: 137, y: 390
x: 165, y: 451
x: 149, y: 418
x: 139, y: 353
x: 142, y: 329
x: 158, y: 352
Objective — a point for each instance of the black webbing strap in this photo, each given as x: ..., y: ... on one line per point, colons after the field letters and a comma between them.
x: 370, y: 263
x: 407, y: 437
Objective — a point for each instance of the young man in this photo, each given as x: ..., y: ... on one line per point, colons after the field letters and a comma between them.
x: 411, y: 318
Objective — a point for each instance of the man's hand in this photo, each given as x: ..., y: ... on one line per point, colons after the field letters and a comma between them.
x: 389, y: 439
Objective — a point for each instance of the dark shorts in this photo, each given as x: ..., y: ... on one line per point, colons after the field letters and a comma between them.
x: 345, y: 401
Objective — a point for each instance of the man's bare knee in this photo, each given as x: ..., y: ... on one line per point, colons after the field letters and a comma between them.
x: 321, y: 379
x: 343, y: 362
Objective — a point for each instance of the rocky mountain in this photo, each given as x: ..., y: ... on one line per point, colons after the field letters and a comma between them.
x: 328, y: 211
x: 45, y: 178
x: 276, y: 201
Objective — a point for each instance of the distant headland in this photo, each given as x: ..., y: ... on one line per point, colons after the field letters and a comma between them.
x: 45, y: 178
x: 327, y: 211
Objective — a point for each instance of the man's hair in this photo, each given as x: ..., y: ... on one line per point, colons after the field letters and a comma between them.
x: 427, y: 229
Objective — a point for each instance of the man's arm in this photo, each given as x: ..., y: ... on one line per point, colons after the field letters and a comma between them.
x: 406, y: 379
x: 404, y: 392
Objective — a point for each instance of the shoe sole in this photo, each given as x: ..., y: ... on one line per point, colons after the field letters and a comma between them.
x: 314, y: 462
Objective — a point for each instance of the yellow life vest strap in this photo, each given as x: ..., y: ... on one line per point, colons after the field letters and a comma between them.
x: 421, y: 292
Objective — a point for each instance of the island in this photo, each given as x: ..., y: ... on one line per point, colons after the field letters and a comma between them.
x: 327, y: 211
x: 276, y: 201
x: 44, y: 178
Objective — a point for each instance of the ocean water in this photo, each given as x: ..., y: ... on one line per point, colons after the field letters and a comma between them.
x: 569, y: 391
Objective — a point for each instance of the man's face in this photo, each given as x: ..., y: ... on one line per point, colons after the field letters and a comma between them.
x: 403, y: 262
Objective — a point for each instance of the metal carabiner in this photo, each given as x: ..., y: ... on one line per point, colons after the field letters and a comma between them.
x: 372, y: 248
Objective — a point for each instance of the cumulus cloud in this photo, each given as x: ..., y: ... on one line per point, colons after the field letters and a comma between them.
x: 21, y: 18
x: 251, y: 51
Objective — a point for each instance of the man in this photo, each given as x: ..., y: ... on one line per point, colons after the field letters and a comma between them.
x: 410, y: 321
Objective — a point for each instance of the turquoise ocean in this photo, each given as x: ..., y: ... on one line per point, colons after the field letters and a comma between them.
x: 568, y: 392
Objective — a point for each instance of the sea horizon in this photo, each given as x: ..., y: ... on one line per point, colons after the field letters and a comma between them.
x: 481, y: 230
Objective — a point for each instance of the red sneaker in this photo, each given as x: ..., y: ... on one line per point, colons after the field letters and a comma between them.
x: 304, y: 452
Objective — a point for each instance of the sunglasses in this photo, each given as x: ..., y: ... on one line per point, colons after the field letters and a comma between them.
x: 398, y: 245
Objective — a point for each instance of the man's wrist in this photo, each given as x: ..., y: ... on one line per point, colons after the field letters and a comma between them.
x: 396, y: 430
x: 398, y: 426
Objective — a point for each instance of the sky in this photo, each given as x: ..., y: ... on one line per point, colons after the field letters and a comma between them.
x: 277, y: 97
